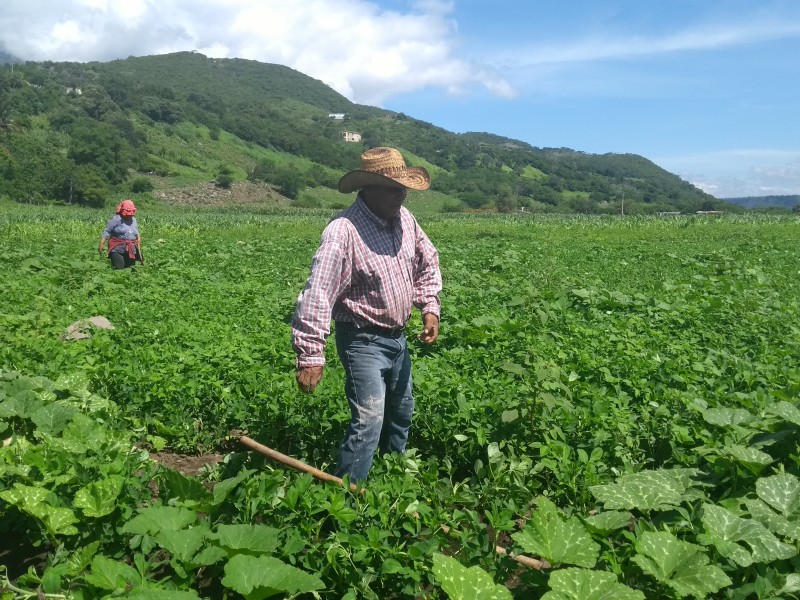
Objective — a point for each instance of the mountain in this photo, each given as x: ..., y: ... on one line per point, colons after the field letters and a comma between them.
x: 84, y: 132
x: 766, y: 201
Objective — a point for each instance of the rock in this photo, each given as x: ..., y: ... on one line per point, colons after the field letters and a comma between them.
x: 80, y: 330
x: 100, y: 322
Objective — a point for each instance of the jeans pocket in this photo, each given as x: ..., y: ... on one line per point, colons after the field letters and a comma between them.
x: 365, y: 337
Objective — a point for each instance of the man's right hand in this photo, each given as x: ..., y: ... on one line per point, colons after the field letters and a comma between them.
x: 308, y: 378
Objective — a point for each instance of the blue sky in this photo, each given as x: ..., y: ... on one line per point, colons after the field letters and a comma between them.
x: 707, y: 89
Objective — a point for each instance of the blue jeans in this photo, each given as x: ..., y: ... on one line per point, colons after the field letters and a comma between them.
x: 378, y: 387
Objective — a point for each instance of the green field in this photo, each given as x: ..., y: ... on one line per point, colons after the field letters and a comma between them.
x: 616, y: 396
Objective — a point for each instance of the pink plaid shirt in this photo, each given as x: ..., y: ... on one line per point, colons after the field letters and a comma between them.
x: 367, y: 271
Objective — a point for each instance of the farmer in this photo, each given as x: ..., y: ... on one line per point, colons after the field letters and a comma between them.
x: 374, y: 263
x: 122, y: 234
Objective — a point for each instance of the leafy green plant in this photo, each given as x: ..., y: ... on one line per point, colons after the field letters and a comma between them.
x: 575, y: 406
x: 463, y: 583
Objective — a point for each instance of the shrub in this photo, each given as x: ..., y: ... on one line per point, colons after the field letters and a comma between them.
x: 308, y: 202
x: 140, y: 185
x: 452, y: 206
x: 224, y: 180
x: 505, y: 201
x: 224, y: 176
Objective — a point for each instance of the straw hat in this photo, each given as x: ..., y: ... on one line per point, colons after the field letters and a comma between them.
x: 384, y: 166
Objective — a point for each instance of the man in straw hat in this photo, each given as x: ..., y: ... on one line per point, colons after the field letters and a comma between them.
x: 373, y: 265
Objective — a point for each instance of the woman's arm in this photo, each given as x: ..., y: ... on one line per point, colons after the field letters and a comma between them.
x: 112, y: 223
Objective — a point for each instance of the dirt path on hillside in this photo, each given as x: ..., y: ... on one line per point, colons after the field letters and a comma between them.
x: 209, y: 194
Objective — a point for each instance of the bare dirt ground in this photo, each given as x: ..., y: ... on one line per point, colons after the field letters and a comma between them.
x: 211, y: 195
x: 187, y: 464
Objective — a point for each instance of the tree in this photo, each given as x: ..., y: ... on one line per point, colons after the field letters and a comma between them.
x: 33, y: 167
x: 87, y: 187
x: 505, y: 201
x: 583, y: 205
x: 263, y: 170
x: 96, y: 102
x: 474, y: 199
x: 164, y: 111
x: 289, y: 181
x: 321, y: 177
x: 6, y: 116
x: 100, y: 144
x: 124, y: 125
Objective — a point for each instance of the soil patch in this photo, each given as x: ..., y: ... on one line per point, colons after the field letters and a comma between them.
x: 18, y: 555
x: 209, y: 194
x: 185, y: 463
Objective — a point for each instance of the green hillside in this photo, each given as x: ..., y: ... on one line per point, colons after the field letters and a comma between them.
x: 767, y: 202
x: 90, y: 133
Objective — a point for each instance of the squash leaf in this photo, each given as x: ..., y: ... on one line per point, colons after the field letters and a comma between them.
x: 257, y: 577
x: 745, y: 541
x: 648, y: 490
x: 585, y: 584
x: 557, y: 539
x: 680, y: 565
x: 466, y: 583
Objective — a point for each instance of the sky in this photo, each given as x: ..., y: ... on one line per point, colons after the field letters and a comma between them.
x: 707, y: 89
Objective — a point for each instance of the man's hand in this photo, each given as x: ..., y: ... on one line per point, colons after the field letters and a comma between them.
x: 430, y: 332
x: 308, y: 378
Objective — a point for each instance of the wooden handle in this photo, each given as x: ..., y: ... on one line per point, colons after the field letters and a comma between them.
x: 293, y: 462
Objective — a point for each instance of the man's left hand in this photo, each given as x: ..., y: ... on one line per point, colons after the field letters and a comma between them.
x: 430, y: 332
x: 308, y: 378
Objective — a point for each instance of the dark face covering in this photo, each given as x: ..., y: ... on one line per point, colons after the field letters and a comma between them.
x: 384, y: 202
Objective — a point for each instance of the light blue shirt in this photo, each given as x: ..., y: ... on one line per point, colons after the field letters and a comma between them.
x: 119, y: 229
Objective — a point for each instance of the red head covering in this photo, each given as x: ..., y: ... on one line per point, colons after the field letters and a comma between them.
x: 126, y: 208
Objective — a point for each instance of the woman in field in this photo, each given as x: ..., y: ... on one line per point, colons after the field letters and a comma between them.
x: 122, y: 233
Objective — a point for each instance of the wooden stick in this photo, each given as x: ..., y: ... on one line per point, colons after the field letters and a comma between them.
x: 532, y: 563
x: 293, y: 462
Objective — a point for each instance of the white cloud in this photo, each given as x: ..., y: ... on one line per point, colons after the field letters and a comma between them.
x: 67, y: 32
x: 757, y: 172
x: 365, y: 52
x: 626, y: 46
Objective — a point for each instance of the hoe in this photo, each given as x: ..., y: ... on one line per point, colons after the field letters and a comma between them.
x: 250, y: 443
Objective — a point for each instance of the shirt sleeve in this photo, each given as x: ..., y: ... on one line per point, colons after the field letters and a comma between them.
x: 110, y: 226
x: 331, y: 273
x: 427, y: 276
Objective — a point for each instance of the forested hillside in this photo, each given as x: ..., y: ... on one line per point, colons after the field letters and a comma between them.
x: 89, y: 132
x: 790, y: 202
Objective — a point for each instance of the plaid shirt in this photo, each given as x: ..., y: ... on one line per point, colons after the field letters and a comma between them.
x: 367, y: 271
